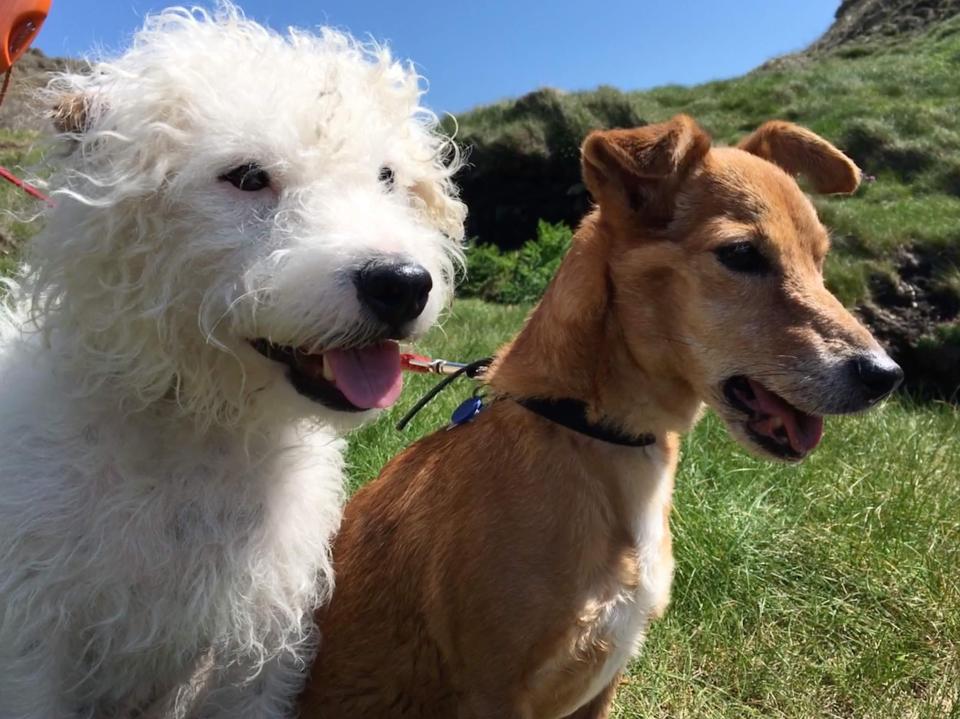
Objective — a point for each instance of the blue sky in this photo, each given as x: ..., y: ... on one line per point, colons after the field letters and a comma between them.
x: 479, y: 51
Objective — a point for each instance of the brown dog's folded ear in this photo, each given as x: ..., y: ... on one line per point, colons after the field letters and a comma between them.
x: 802, y: 152
x: 640, y: 169
x: 71, y: 114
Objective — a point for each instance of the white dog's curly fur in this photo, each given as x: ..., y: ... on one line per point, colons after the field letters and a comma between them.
x: 165, y: 494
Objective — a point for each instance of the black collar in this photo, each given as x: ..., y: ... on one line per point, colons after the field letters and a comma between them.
x: 572, y: 414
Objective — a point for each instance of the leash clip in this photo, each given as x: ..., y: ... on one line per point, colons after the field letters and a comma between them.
x: 425, y: 365
x: 452, y: 370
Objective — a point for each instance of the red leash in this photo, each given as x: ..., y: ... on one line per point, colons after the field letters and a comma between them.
x: 25, y: 186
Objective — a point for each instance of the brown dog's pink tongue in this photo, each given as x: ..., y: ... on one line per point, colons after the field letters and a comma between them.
x: 809, y: 431
x: 803, y: 430
x: 369, y: 376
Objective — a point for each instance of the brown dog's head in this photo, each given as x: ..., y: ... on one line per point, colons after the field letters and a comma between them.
x: 717, y: 258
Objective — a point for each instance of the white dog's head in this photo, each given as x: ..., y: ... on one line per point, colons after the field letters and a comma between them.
x: 247, y: 222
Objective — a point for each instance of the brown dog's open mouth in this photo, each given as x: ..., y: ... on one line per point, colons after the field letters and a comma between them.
x: 348, y: 380
x: 773, y: 423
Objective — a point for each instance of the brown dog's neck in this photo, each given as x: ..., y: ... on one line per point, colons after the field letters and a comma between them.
x: 573, y: 346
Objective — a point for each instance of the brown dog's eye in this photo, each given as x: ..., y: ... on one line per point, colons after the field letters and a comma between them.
x: 742, y: 257
x: 249, y: 177
x: 387, y: 177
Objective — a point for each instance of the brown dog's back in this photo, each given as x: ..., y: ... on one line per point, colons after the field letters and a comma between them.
x: 379, y: 658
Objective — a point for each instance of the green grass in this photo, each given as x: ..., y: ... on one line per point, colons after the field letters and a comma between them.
x: 831, y: 589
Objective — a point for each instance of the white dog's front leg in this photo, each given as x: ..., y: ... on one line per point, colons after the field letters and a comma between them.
x: 239, y: 691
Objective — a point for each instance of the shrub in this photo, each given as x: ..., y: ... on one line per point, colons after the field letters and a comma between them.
x: 516, y: 276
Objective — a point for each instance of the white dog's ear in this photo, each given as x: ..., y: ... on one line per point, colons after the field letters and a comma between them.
x: 639, y: 170
x: 802, y: 152
x: 71, y: 114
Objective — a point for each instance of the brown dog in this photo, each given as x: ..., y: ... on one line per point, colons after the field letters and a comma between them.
x: 509, y: 568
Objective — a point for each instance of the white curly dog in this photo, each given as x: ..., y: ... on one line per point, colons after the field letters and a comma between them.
x: 245, y: 224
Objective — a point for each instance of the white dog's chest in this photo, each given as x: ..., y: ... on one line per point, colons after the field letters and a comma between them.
x: 188, y: 549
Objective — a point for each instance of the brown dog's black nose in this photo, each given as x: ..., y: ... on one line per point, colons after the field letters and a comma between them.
x: 878, y: 375
x: 394, y: 291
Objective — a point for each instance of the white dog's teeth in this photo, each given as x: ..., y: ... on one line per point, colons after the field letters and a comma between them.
x: 327, y: 371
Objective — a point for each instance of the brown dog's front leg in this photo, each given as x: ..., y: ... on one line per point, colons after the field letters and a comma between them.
x: 600, y: 707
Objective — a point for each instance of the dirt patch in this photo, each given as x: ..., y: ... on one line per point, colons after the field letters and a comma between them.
x: 909, y: 313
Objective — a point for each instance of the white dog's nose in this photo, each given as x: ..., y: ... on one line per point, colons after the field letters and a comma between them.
x: 393, y: 290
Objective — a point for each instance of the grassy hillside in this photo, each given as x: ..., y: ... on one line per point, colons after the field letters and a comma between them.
x: 831, y: 589
x: 891, y: 101
x: 17, y: 151
x: 21, y: 116
x: 893, y: 105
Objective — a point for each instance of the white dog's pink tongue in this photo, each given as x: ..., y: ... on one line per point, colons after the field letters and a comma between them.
x: 369, y: 376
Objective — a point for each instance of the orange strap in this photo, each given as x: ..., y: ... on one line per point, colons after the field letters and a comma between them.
x: 20, y: 21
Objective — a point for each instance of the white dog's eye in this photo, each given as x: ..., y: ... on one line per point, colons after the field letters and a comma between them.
x: 387, y: 177
x: 249, y: 177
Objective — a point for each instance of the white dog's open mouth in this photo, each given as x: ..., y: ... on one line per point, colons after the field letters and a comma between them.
x: 349, y: 380
x: 772, y: 422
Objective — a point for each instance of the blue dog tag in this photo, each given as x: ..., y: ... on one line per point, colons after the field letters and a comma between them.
x: 467, y: 410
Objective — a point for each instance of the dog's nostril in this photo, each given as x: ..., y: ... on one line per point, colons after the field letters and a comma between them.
x: 878, y: 374
x: 395, y: 291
